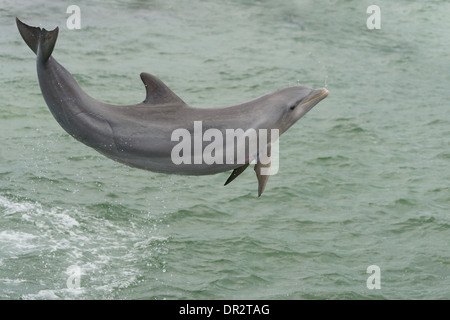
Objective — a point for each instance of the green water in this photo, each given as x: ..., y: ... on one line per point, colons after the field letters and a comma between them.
x: 364, y: 177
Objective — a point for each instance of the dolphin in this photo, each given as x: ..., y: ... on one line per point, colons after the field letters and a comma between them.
x: 142, y: 135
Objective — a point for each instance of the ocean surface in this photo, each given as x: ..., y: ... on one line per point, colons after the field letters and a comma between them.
x: 364, y: 177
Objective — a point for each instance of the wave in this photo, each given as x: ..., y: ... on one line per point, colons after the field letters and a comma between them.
x: 40, y: 243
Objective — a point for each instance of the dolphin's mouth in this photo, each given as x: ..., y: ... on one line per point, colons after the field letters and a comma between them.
x: 317, y: 94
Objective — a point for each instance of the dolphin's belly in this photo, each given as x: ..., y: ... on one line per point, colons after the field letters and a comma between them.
x: 164, y: 165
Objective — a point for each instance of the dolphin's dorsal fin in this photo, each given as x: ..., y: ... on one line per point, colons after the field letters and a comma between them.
x: 158, y: 92
x: 263, y: 170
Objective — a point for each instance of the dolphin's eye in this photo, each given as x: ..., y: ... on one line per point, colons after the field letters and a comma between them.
x: 292, y: 107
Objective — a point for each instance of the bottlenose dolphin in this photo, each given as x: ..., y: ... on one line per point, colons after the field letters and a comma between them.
x: 141, y: 135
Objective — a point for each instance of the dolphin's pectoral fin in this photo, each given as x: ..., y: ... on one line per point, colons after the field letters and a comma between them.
x: 262, y: 178
x: 263, y: 170
x: 158, y: 92
x: 235, y: 173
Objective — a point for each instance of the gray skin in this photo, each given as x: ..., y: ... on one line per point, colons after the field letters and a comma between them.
x: 140, y: 135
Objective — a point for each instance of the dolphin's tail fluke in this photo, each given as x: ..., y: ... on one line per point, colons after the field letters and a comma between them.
x: 39, y: 40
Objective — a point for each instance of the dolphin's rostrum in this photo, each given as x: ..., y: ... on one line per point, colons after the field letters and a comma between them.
x: 140, y: 135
